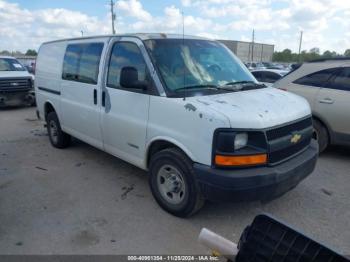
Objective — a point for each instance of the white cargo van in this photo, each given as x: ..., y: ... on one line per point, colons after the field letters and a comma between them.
x: 183, y: 108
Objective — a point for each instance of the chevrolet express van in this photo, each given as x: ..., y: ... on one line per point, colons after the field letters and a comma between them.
x: 183, y: 108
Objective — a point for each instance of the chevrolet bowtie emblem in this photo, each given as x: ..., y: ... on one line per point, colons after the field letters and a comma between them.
x: 295, y: 138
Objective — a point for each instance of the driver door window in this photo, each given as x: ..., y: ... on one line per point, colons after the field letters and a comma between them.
x: 127, y: 54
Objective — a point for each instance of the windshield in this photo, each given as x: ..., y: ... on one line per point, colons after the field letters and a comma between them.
x: 10, y: 64
x: 187, y: 63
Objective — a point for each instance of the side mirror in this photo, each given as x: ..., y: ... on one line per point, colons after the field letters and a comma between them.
x: 129, y: 78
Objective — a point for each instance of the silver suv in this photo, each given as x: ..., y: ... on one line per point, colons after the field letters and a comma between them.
x: 326, y: 85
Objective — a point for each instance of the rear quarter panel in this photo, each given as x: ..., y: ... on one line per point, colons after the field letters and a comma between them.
x: 48, y: 74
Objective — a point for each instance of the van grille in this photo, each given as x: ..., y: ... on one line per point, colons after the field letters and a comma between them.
x: 286, y: 130
x: 285, y: 153
x: 15, y: 84
x: 281, y: 137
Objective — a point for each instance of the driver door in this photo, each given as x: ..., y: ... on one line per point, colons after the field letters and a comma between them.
x: 125, y: 110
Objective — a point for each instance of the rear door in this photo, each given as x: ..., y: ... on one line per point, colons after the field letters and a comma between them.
x: 333, y: 102
x: 309, y: 86
x: 80, y: 90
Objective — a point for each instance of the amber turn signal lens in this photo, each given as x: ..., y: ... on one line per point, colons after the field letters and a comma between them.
x: 240, y: 160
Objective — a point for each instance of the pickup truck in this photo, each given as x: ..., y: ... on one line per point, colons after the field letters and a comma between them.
x: 16, y: 84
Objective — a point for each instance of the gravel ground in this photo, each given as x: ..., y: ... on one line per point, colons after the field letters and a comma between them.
x: 83, y: 201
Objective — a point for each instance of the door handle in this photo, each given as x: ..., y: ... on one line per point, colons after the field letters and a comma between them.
x: 326, y: 101
x: 103, y: 98
x: 95, y: 96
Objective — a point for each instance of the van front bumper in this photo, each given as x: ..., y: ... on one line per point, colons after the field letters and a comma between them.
x: 258, y: 183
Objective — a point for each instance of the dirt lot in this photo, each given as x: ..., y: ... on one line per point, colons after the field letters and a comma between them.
x: 83, y: 201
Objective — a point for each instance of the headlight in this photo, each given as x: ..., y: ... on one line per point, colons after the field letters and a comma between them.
x: 236, y: 148
x: 230, y: 141
x: 241, y: 140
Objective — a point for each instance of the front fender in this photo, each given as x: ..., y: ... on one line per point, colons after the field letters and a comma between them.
x: 170, y: 140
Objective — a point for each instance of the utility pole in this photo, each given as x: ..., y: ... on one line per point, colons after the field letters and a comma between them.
x: 112, y: 16
x: 253, y: 38
x: 300, y: 41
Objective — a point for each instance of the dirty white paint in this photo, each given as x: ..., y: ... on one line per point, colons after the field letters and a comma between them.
x: 256, y: 109
x: 130, y: 122
x: 187, y: 123
x: 192, y: 122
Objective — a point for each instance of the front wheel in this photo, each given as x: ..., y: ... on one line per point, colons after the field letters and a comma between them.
x: 173, y: 183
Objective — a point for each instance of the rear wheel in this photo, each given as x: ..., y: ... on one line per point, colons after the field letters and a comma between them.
x: 173, y: 183
x: 321, y: 135
x: 58, y: 138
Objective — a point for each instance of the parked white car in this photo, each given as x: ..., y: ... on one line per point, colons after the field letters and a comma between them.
x: 269, y: 76
x: 326, y: 85
x: 16, y: 84
x: 187, y: 110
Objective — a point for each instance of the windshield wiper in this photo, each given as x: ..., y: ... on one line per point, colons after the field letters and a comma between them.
x: 204, y: 86
x: 245, y: 85
x: 239, y: 83
x: 231, y: 86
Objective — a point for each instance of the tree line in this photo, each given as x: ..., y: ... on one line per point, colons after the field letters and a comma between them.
x: 283, y: 56
x: 29, y: 52
x: 288, y: 56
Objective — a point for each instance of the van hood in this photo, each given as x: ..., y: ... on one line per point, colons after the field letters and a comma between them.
x: 10, y: 74
x: 256, y: 109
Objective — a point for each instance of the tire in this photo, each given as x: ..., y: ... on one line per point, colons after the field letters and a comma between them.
x: 33, y: 104
x: 58, y: 138
x: 321, y: 135
x: 184, y: 197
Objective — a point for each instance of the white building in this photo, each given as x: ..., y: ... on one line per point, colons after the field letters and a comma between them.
x: 250, y: 52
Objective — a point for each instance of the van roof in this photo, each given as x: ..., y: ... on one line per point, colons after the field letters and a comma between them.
x: 141, y: 36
